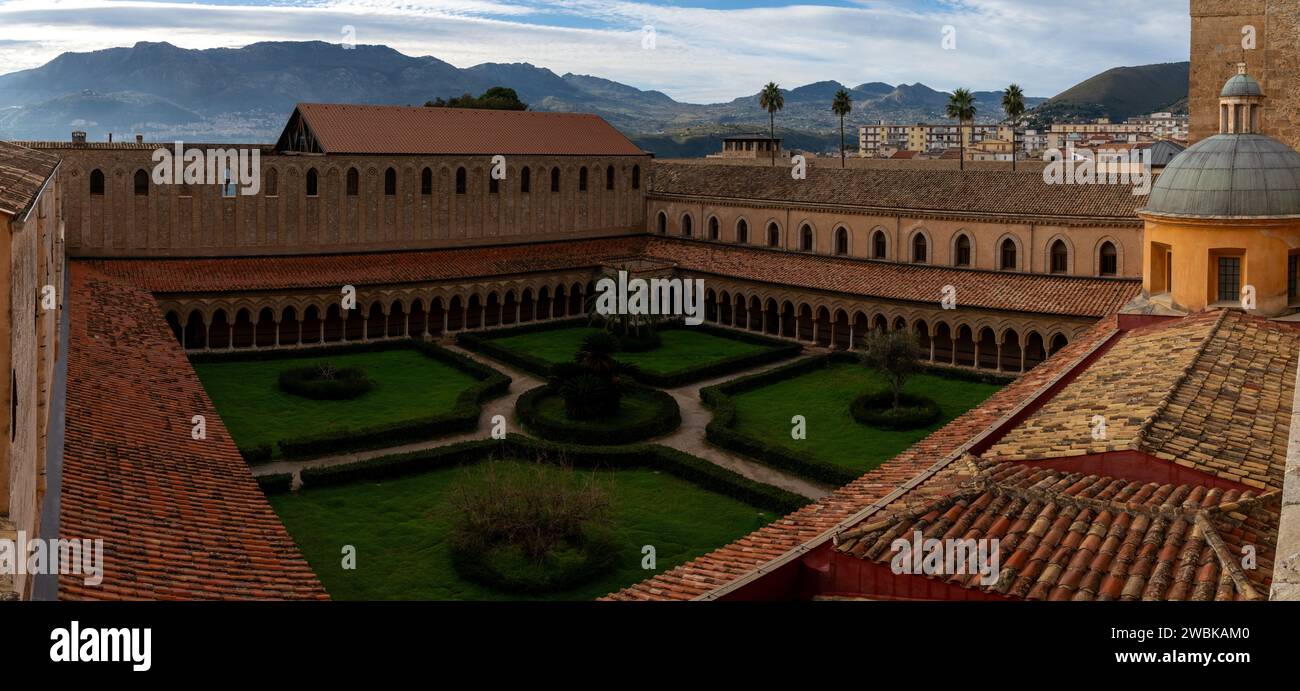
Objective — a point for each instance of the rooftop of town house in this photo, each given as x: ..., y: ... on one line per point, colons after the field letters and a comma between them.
x: 23, y: 173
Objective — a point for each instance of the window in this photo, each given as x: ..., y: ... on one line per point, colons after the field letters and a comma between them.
x: 1229, y: 279
x: 141, y: 183
x: 582, y: 179
x: 806, y: 238
x: 354, y: 182
x: 13, y: 405
x: 426, y: 181
x: 1060, y: 257
x: 390, y: 182
x: 555, y: 179
x: 609, y: 177
x: 742, y: 232
x: 525, y: 180
x: 962, y: 257
x: 879, y: 245
x: 713, y: 228
x: 663, y: 223
x: 1109, y: 264
x: 1292, y: 277
x: 494, y: 185
x: 773, y: 235
x: 96, y: 182
x: 460, y: 181
x: 228, y: 185
x: 919, y: 248
x: 313, y: 182
x: 636, y: 177
x: 687, y: 226
x: 1008, y: 255
x: 272, y: 183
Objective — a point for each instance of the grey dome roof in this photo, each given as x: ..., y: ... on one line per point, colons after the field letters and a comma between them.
x: 1230, y: 176
x: 1241, y: 85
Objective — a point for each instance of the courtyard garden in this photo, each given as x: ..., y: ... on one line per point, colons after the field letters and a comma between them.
x: 301, y: 403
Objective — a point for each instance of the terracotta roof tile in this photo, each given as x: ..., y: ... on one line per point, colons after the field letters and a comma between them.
x: 23, y: 172
x: 180, y: 518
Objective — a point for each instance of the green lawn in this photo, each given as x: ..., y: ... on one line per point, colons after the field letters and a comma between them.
x: 407, y: 386
x: 823, y: 398
x: 681, y: 349
x: 399, y: 529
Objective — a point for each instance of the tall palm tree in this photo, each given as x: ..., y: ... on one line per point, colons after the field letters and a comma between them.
x: 961, y: 107
x: 771, y: 100
x: 1013, y: 103
x: 841, y: 106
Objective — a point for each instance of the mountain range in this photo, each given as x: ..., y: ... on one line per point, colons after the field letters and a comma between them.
x: 245, y: 94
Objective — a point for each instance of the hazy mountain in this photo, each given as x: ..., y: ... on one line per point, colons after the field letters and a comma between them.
x: 1121, y: 93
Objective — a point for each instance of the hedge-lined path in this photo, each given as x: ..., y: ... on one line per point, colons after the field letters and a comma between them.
x: 689, y: 437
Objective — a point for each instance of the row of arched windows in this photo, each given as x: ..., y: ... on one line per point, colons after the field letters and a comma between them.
x: 270, y: 182
x: 1008, y: 258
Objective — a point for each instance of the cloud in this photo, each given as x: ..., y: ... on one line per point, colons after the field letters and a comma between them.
x: 700, y: 54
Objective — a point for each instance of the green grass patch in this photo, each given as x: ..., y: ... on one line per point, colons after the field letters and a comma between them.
x: 824, y: 396
x: 682, y: 349
x: 407, y: 385
x: 400, y: 528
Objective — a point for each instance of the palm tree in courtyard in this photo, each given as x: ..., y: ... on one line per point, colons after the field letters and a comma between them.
x: 1013, y: 103
x: 961, y: 107
x: 771, y: 100
x: 841, y: 106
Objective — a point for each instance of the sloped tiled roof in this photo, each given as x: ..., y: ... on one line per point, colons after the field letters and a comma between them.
x: 372, y: 129
x: 23, y: 172
x: 1211, y: 392
x: 982, y: 192
x: 1039, y: 293
x: 180, y: 518
x: 1066, y: 536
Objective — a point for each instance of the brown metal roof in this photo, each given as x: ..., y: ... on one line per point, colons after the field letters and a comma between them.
x: 23, y: 173
x: 369, y: 129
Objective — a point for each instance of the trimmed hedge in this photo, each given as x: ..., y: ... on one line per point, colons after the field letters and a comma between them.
x: 694, y: 470
x: 778, y: 350
x: 254, y: 455
x: 463, y: 417
x: 279, y: 483
x: 592, y: 432
x: 876, y: 409
x: 350, y: 382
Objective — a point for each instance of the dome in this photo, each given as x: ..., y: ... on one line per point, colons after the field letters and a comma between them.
x: 1229, y: 176
x: 1241, y: 85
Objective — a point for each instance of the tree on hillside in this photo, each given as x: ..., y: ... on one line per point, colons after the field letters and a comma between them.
x: 771, y: 100
x: 841, y: 106
x: 961, y: 107
x: 1013, y: 103
x: 496, y: 98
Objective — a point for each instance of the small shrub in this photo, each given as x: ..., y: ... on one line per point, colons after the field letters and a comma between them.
x: 325, y: 382
x: 589, y: 397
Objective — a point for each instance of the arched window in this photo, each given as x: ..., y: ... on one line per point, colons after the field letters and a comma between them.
x: 426, y: 181
x: 272, y: 183
x: 582, y: 179
x: 1008, y: 255
x: 687, y: 229
x: 879, y: 245
x: 1060, y: 257
x: 609, y: 177
x: 1109, y: 264
x: 842, y: 241
x: 96, y: 181
x: 141, y: 183
x: 494, y: 185
x: 962, y: 257
x: 555, y: 179
x: 714, y: 231
x: 663, y: 223
x: 525, y: 180
x: 919, y: 247
x: 390, y: 182
x: 228, y: 184
x: 773, y: 235
x: 313, y: 182
x: 806, y: 238
x: 742, y: 232
x: 636, y: 177
x: 354, y: 182
x: 460, y: 180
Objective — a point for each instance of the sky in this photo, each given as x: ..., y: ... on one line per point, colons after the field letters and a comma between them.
x: 700, y: 51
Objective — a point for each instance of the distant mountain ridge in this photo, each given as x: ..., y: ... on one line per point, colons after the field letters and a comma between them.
x: 1123, y: 92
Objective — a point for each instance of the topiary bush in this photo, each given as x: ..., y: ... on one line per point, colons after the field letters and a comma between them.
x: 325, y: 382
x: 589, y: 397
x: 877, y: 409
x: 643, y: 413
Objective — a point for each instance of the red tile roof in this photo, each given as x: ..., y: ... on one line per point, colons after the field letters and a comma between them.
x: 180, y: 518
x: 23, y: 172
x: 1045, y: 294
x: 369, y: 129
